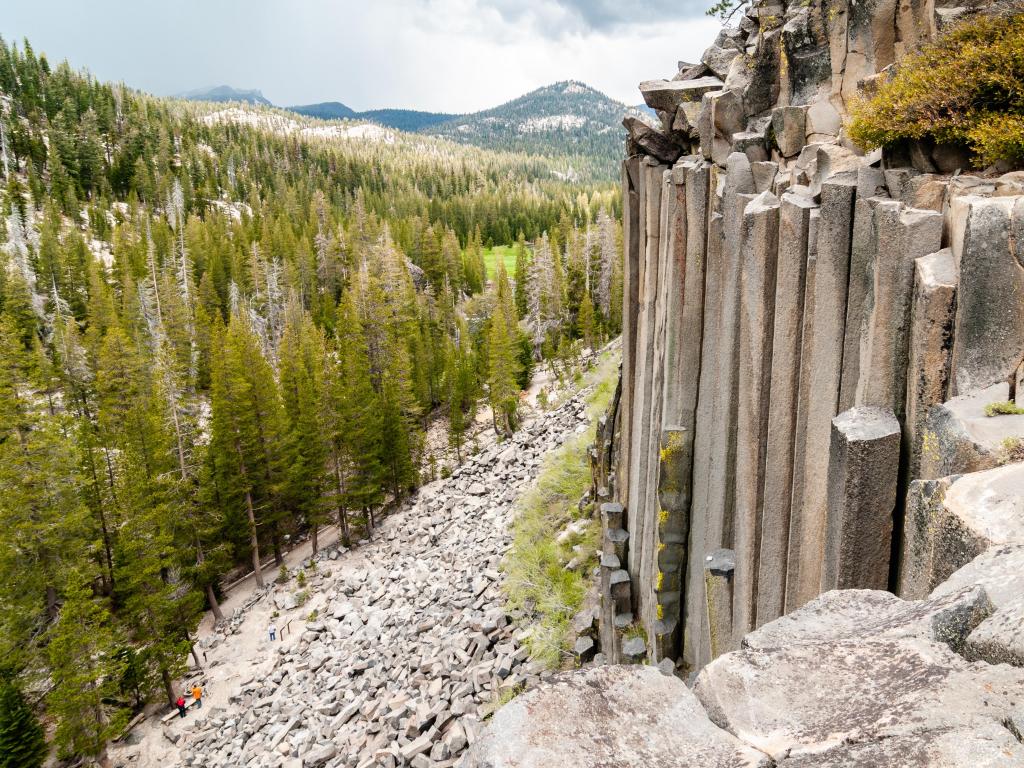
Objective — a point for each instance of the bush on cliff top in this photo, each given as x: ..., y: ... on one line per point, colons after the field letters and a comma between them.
x: 966, y: 89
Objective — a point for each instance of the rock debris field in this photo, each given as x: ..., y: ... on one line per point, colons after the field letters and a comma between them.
x: 409, y: 649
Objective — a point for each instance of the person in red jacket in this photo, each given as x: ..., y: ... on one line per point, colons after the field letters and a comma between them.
x: 180, y: 704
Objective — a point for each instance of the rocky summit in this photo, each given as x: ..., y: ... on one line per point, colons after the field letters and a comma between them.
x: 410, y: 646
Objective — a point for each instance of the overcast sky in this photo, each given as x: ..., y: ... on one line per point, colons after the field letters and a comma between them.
x: 438, y: 55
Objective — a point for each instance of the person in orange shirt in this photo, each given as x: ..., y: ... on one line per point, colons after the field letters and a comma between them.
x: 197, y: 694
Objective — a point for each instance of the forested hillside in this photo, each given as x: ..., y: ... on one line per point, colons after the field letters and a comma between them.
x: 217, y: 336
x: 564, y: 119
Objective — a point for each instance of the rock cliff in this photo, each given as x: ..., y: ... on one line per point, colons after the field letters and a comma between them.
x: 810, y: 334
x: 813, y: 340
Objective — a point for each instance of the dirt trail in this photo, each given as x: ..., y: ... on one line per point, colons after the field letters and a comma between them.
x: 246, y: 654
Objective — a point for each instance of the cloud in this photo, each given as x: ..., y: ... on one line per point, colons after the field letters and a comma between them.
x: 603, y: 15
x: 437, y: 55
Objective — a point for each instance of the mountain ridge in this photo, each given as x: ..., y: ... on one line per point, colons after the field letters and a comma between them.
x: 222, y: 93
x: 567, y: 118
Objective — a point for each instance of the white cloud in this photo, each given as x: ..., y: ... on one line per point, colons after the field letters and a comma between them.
x: 442, y: 55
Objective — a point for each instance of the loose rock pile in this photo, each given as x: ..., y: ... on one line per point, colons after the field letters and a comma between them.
x: 408, y: 654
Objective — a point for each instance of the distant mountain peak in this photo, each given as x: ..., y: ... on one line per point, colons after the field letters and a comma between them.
x: 226, y: 93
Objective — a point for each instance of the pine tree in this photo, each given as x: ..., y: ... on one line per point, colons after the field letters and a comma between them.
x: 44, y: 520
x: 504, y: 366
x: 85, y: 673
x: 586, y: 322
x: 246, y: 435
x: 302, y: 383
x: 522, y: 274
x: 22, y: 741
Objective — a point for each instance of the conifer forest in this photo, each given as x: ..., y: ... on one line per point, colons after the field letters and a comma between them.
x: 223, y: 330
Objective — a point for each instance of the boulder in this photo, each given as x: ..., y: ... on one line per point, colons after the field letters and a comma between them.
x: 719, y: 59
x: 651, y: 141
x: 608, y: 716
x: 790, y: 127
x: 847, y: 614
x: 800, y: 700
x: 1000, y: 638
x: 666, y: 95
x: 957, y: 437
x: 951, y: 521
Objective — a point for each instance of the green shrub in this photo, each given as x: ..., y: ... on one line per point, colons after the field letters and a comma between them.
x: 1003, y: 409
x: 22, y: 744
x: 966, y: 89
x: 538, y: 586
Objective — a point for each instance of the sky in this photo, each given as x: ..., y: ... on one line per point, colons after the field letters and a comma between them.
x: 436, y: 55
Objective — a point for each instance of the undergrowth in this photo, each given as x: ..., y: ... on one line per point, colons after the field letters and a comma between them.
x: 1003, y: 409
x: 538, y: 587
x: 967, y: 89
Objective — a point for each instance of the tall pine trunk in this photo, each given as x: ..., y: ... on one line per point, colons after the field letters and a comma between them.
x: 342, y: 512
x: 254, y: 540
x: 168, y: 687
x: 211, y: 598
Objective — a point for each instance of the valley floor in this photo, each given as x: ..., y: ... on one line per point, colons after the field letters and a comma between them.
x: 390, y: 654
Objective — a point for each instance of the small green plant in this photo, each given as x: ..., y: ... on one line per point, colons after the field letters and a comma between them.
x: 313, y: 615
x: 275, y: 614
x: 302, y: 597
x: 1005, y: 408
x: 1011, y: 450
x: 282, y: 574
x: 966, y: 89
x: 633, y: 631
x: 505, y: 695
x: 300, y: 579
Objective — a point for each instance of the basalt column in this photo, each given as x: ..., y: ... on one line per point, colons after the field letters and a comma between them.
x: 798, y: 223
x: 758, y: 253
x: 639, y: 523
x: 818, y: 396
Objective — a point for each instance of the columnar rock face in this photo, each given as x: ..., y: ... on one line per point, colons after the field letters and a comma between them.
x: 781, y: 287
x: 863, y: 458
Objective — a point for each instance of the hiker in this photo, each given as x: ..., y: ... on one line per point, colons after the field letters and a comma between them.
x: 197, y: 694
x: 273, y: 633
x: 180, y: 704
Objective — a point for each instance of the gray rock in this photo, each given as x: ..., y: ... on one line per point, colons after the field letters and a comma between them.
x: 847, y: 614
x: 863, y: 691
x: 987, y: 238
x: 958, y: 437
x: 951, y: 521
x: 718, y: 59
x: 1000, y: 638
x: 667, y: 95
x: 621, y: 716
x: 634, y: 648
x: 790, y: 126
x: 651, y: 141
x: 318, y: 756
x: 863, y: 463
